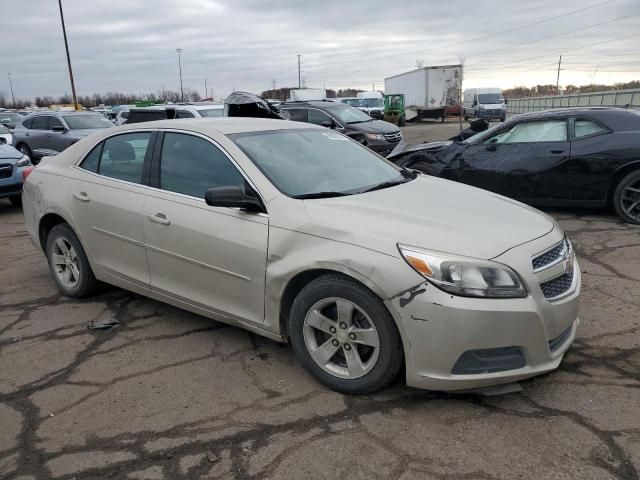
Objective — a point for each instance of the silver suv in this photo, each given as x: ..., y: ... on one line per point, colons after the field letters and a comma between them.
x: 49, y: 133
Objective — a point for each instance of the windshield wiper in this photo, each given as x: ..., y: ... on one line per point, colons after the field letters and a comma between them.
x: 361, y: 121
x: 320, y: 195
x: 407, y: 176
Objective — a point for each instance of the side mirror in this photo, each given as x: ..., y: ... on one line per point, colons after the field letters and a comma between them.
x: 328, y: 123
x: 234, y: 197
x: 58, y: 128
x: 475, y: 103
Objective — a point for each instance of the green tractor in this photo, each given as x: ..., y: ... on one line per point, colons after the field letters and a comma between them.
x: 394, y: 109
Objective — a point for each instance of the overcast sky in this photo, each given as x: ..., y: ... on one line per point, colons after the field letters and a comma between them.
x: 130, y: 45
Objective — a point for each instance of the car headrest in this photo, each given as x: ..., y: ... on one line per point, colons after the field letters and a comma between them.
x: 121, y: 152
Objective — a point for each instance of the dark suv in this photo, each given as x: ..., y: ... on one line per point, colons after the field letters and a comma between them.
x: 378, y: 135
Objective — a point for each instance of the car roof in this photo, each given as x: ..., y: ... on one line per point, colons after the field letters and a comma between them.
x: 223, y: 125
x: 618, y: 119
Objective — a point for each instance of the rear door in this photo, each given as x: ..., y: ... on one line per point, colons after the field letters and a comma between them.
x: 37, y: 134
x: 57, y: 140
x: 527, y: 161
x: 106, y: 198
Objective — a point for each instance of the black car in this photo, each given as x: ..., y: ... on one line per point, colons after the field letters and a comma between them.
x: 567, y: 157
x: 380, y: 136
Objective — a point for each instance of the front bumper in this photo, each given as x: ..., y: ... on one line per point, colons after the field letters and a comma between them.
x: 442, y: 332
x: 11, y: 185
x: 491, y: 114
x: 383, y: 147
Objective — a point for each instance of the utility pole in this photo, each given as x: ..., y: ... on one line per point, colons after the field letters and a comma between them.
x: 558, y: 78
x: 11, y: 86
x: 299, y: 83
x: 66, y: 47
x: 373, y: 86
x: 205, y: 88
x: 179, y: 51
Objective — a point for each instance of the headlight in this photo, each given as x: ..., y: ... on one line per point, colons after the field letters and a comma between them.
x: 465, y: 276
x: 23, y: 162
x: 375, y: 136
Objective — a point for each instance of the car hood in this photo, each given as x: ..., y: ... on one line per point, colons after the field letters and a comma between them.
x: 376, y: 126
x: 403, y: 148
x: 7, y: 152
x: 430, y: 213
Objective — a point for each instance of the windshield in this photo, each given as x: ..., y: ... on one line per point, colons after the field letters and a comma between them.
x: 347, y: 114
x: 211, y: 112
x: 9, y: 119
x: 372, y: 102
x: 84, y: 122
x: 489, y: 98
x: 306, y: 162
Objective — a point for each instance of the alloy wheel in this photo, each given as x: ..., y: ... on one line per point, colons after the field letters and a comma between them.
x: 65, y: 263
x: 630, y: 200
x: 341, y: 338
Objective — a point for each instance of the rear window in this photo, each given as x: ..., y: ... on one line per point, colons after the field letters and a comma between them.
x: 211, y: 112
x: 146, y: 116
x: 86, y: 122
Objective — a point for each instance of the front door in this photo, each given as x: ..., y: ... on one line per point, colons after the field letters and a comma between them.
x: 106, y: 199
x: 213, y: 258
x: 527, y: 161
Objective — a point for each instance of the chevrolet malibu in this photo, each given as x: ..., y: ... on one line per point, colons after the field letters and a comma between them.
x: 302, y: 235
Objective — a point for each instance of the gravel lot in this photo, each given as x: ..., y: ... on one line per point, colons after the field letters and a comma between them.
x: 171, y: 395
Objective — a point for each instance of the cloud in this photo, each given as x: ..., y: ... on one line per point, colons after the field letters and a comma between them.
x: 129, y: 46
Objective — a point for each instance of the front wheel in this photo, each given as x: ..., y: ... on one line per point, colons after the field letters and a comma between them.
x: 344, y: 336
x: 68, y: 262
x: 626, y: 198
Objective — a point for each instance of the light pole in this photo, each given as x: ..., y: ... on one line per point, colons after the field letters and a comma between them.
x: 11, y: 86
x: 205, y: 89
x: 179, y: 51
x: 66, y: 47
x: 299, y: 84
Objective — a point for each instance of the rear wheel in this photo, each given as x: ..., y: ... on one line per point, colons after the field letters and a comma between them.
x: 68, y: 262
x: 626, y: 198
x: 401, y: 122
x: 344, y: 336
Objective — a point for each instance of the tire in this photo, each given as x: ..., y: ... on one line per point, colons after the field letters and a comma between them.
x: 424, y: 168
x: 626, y: 201
x: 16, y: 200
x: 378, y: 366
x: 85, y: 283
x: 25, y: 150
x: 401, y: 122
x: 466, y: 118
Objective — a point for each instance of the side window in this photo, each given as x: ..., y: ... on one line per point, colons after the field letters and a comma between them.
x: 528, y: 132
x: 585, y: 128
x: 123, y: 156
x: 55, y: 122
x: 28, y: 123
x: 192, y: 165
x: 184, y: 114
x: 40, y: 123
x: 297, y: 114
x: 91, y: 161
x: 317, y: 117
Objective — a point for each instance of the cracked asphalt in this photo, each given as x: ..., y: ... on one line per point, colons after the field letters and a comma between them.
x: 171, y: 395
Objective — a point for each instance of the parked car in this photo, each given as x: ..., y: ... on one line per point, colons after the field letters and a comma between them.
x: 581, y: 157
x: 5, y: 135
x: 488, y: 103
x: 378, y: 135
x: 10, y: 119
x: 14, y: 167
x: 169, y: 112
x: 296, y: 233
x: 49, y: 133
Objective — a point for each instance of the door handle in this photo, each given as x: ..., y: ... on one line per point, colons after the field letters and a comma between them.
x: 557, y: 151
x: 26, y: 134
x: 160, y: 218
x: 82, y: 196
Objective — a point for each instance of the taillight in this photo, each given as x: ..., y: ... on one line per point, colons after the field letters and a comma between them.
x: 25, y: 173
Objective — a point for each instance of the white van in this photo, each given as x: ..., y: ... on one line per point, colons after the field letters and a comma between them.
x: 487, y: 103
x: 372, y: 103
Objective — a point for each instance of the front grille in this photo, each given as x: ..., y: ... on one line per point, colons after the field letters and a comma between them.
x: 556, y: 253
x: 393, y: 137
x: 557, y: 286
x: 559, y: 340
x: 6, y: 170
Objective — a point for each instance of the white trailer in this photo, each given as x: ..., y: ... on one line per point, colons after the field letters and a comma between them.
x: 427, y: 91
